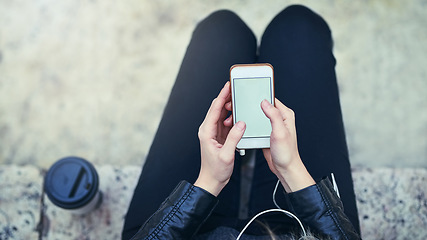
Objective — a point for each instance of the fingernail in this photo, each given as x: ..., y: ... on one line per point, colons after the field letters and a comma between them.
x: 266, y: 103
x: 240, y: 125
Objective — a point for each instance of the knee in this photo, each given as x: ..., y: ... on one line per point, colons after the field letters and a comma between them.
x: 298, y: 10
x: 303, y: 18
x: 223, y: 15
x: 221, y: 19
x: 224, y: 24
x: 302, y: 26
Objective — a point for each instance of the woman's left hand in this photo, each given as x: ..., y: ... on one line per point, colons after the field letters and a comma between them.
x: 218, y: 141
x: 283, y: 157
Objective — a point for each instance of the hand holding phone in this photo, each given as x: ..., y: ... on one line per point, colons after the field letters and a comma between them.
x: 218, y: 141
x: 250, y: 85
x: 283, y: 157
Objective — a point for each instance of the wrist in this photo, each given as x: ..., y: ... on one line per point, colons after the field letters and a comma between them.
x: 211, y: 186
x: 295, y: 177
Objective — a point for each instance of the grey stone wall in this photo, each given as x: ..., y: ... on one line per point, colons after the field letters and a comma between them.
x: 392, y: 204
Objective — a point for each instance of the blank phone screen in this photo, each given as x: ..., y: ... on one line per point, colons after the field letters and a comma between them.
x: 248, y: 95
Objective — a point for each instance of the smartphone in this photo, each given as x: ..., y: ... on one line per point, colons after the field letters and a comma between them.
x: 250, y: 85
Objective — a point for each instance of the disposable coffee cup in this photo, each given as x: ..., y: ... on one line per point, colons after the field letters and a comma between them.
x: 72, y: 183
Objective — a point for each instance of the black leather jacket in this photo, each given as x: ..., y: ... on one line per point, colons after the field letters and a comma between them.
x: 185, y: 210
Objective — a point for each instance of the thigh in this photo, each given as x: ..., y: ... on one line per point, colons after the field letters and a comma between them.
x: 218, y: 42
x: 298, y: 44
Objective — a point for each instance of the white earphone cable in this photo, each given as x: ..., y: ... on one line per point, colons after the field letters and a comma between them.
x: 274, y: 194
x: 273, y: 210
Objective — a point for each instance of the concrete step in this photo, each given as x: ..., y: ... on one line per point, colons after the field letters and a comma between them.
x: 392, y: 204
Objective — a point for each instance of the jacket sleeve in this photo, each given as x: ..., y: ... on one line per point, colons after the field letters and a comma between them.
x: 320, y: 208
x: 180, y: 215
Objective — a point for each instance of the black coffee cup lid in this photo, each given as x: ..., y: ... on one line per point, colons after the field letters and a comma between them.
x: 71, y: 182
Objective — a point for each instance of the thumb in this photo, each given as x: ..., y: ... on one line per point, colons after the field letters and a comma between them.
x: 234, y: 136
x: 273, y: 114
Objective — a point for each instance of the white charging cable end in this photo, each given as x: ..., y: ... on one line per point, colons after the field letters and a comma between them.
x: 334, y: 184
x: 242, y: 152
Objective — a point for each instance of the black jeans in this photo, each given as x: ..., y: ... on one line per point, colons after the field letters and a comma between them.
x: 298, y: 44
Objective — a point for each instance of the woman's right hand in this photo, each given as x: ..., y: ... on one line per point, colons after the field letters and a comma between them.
x: 218, y: 140
x: 283, y: 157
